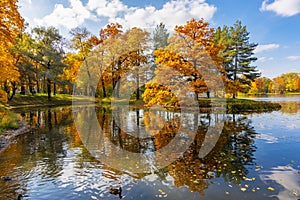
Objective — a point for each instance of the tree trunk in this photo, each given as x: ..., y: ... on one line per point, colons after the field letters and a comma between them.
x: 22, y: 90
x: 137, y: 85
x: 49, y: 89
x: 54, y: 88
x: 38, y: 86
x: 103, y: 87
x: 44, y: 85
x: 14, y: 88
x: 118, y: 87
x: 208, y: 94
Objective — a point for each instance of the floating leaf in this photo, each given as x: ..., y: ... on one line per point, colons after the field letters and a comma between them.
x: 270, y: 188
x: 243, y: 189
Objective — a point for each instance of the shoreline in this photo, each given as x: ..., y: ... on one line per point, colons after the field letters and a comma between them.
x: 9, y: 136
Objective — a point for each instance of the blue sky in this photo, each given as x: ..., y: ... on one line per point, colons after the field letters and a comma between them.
x: 273, y: 24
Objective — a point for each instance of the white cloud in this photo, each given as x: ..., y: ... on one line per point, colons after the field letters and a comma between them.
x: 293, y: 58
x: 285, y: 8
x: 175, y: 12
x: 66, y: 17
x: 287, y: 177
x: 106, y: 8
x: 264, y: 59
x: 266, y: 47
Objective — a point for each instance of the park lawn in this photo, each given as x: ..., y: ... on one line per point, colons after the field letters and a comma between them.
x: 42, y: 100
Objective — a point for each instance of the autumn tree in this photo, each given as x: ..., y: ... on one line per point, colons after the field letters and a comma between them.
x: 291, y: 81
x: 21, y: 51
x: 82, y: 44
x: 238, y: 54
x: 191, y: 54
x: 11, y: 24
x: 279, y: 85
x: 73, y: 62
x: 137, y: 44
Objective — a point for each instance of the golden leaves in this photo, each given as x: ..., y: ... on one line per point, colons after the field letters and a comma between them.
x: 11, y: 24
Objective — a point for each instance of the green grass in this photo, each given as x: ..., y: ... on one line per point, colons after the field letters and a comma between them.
x: 247, y: 105
x: 8, y: 120
x: 232, y: 105
x: 42, y: 100
x: 240, y: 105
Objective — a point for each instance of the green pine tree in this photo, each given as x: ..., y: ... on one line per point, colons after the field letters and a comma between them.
x: 238, y: 56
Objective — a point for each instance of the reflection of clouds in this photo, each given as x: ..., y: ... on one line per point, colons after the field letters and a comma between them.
x: 292, y: 126
x: 288, y: 178
x: 267, y: 138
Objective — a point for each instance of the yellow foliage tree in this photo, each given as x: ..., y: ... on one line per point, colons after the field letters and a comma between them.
x: 11, y: 24
x: 191, y: 56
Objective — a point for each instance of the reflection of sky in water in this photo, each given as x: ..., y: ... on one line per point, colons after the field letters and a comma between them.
x: 278, y: 145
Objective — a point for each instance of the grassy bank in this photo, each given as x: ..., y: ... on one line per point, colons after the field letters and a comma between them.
x: 247, y: 105
x: 8, y: 120
x: 232, y: 105
x: 42, y: 100
x: 240, y: 105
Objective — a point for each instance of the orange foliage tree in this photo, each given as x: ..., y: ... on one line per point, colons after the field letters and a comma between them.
x: 11, y: 24
x: 190, y: 55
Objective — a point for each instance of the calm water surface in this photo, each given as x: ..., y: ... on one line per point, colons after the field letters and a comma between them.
x: 253, y: 156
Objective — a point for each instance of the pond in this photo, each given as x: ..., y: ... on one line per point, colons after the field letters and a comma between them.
x: 88, y: 153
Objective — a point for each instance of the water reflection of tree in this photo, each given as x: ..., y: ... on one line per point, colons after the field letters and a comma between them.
x: 40, y: 151
x: 290, y: 107
x: 228, y: 159
x: 46, y: 141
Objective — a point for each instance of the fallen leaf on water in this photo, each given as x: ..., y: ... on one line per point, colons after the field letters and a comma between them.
x: 258, y: 167
x: 128, y: 189
x: 270, y: 188
x: 227, y: 193
x: 243, y: 189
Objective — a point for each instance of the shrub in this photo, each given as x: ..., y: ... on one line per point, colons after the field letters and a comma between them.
x: 3, y: 96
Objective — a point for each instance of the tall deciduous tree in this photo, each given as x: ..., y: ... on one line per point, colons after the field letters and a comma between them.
x: 238, y: 55
x: 48, y: 54
x: 191, y: 53
x: 82, y: 44
x: 29, y: 70
x: 137, y: 44
x: 11, y: 24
